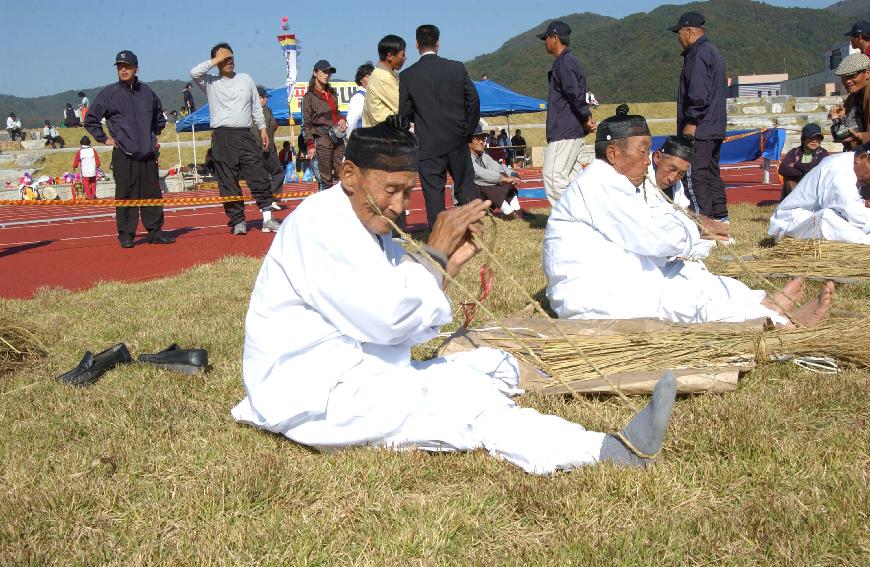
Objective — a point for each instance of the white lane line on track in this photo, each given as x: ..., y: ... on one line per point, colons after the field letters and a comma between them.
x: 113, y: 235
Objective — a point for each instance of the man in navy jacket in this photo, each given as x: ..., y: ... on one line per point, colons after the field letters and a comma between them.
x: 134, y: 117
x: 701, y: 114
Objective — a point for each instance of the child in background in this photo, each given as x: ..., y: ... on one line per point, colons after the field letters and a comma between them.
x: 801, y: 159
x: 87, y: 157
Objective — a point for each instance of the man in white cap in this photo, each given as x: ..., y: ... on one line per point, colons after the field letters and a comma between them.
x: 850, y: 119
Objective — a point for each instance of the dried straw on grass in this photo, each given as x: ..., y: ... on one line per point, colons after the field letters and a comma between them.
x: 815, y: 258
x: 18, y: 346
x: 844, y: 339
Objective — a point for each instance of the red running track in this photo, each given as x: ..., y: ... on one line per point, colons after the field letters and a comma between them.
x: 77, y: 247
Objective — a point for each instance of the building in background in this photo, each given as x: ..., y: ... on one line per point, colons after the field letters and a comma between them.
x: 756, y: 85
x: 824, y: 82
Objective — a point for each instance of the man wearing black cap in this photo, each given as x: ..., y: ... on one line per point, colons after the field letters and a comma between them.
x: 270, y: 155
x: 337, y: 307
x: 798, y: 161
x: 701, y: 114
x: 233, y: 105
x: 134, y: 117
x: 609, y: 255
x: 859, y: 36
x: 569, y: 117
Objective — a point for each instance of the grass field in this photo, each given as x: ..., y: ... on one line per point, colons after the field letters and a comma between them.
x: 148, y: 467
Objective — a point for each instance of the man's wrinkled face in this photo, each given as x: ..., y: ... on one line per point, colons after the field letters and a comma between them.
x: 669, y: 169
x: 855, y: 82
x: 862, y: 167
x: 631, y: 157
x: 477, y: 144
x: 371, y: 190
x: 126, y: 72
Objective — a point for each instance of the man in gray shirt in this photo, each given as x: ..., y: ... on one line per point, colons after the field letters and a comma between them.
x: 233, y: 104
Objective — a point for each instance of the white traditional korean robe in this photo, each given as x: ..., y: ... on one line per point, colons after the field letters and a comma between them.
x: 332, y: 319
x: 825, y: 204
x: 609, y: 255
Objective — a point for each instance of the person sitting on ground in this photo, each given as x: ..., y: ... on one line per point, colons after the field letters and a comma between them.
x: 51, y: 136
x: 70, y: 120
x: 827, y: 204
x: 337, y: 307
x: 849, y: 120
x: 495, y: 182
x: 801, y: 159
x: 609, y: 255
x: 663, y: 184
x: 519, y: 144
x: 89, y: 160
x: 13, y: 126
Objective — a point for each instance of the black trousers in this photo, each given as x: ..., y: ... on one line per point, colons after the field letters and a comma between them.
x: 704, y: 182
x: 238, y: 155
x: 136, y: 180
x: 433, y: 178
x: 274, y: 169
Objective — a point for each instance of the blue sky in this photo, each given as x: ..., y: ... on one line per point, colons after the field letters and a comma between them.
x: 71, y: 45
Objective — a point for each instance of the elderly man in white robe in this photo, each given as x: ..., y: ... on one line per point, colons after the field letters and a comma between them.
x: 827, y: 204
x: 609, y: 255
x: 338, y: 305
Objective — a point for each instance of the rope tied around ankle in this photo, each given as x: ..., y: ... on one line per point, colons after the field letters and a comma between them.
x: 630, y: 446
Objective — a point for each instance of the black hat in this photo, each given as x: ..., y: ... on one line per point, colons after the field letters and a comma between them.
x: 811, y: 131
x: 261, y: 90
x: 478, y: 131
x: 323, y: 65
x: 85, y: 141
x: 127, y: 57
x: 861, y: 27
x: 556, y: 27
x: 621, y: 125
x: 689, y: 20
x: 679, y: 147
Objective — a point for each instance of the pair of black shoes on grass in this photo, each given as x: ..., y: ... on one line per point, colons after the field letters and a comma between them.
x: 93, y: 366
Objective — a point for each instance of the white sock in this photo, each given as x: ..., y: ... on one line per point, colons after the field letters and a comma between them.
x: 515, y: 203
x: 267, y: 215
x: 506, y: 208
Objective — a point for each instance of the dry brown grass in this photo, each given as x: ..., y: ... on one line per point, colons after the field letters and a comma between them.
x: 148, y: 467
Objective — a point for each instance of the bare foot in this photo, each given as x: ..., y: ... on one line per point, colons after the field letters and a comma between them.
x: 815, y: 311
x: 788, y: 298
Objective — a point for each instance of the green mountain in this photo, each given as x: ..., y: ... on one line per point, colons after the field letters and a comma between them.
x: 34, y: 111
x: 636, y: 58
x: 851, y: 8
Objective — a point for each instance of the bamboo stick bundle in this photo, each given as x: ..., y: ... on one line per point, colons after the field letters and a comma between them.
x: 843, y: 339
x: 826, y: 259
x: 18, y: 346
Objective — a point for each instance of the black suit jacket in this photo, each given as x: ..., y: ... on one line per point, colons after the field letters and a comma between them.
x: 437, y: 95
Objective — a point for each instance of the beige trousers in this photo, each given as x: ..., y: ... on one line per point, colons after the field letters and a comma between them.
x: 561, y: 165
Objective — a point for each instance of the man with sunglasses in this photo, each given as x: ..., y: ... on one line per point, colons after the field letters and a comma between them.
x: 233, y: 104
x: 850, y: 119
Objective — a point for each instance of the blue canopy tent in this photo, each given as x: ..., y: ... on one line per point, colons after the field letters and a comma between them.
x: 495, y: 100
x: 745, y: 145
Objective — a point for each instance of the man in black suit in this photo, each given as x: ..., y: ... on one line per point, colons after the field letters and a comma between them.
x: 437, y: 95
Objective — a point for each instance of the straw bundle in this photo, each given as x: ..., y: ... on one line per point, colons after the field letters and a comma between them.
x: 18, y: 346
x: 844, y: 339
x: 814, y: 258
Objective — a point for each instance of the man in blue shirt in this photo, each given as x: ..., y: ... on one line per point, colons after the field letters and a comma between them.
x: 569, y: 117
x: 701, y: 114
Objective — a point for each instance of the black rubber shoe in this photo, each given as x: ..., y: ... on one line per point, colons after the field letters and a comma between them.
x: 173, y: 357
x: 92, y: 367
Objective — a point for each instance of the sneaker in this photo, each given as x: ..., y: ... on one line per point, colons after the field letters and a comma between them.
x: 240, y: 229
x: 276, y: 206
x: 271, y: 225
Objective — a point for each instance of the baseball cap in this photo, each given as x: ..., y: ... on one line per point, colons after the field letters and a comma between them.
x: 556, y: 27
x: 261, y: 90
x: 811, y: 131
x: 851, y: 64
x: 861, y: 27
x: 127, y: 57
x: 323, y: 65
x: 689, y: 20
